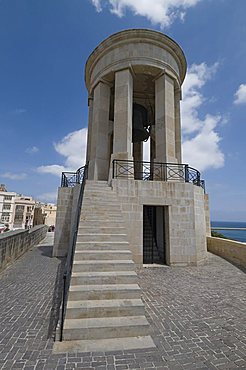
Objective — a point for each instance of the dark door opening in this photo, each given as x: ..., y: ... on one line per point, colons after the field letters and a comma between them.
x: 153, y: 235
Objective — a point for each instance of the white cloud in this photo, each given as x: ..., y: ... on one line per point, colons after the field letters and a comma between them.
x: 200, y: 140
x: 97, y: 4
x: 196, y: 78
x: 32, y: 150
x: 202, y: 151
x: 53, y: 169
x: 14, y: 176
x: 73, y: 148
x: 162, y: 12
x: 48, y: 197
x: 240, y: 95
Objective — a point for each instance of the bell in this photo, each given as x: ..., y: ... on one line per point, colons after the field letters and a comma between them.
x: 139, y: 123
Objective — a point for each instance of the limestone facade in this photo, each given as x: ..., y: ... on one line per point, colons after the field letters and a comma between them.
x: 141, y: 67
x: 185, y: 228
x: 134, y: 80
x: 145, y: 68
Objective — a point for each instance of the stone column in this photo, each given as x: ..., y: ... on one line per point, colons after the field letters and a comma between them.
x: 178, y: 135
x: 99, y: 148
x: 164, y: 120
x: 88, y: 148
x: 138, y: 157
x: 122, y: 146
x: 122, y: 143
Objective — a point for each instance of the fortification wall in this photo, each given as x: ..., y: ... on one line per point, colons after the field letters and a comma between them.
x: 15, y: 243
x: 229, y: 249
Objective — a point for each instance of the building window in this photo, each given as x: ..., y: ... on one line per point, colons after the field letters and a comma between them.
x: 5, y: 216
x: 19, y: 208
x: 18, y: 217
x: 7, y: 206
x: 7, y: 197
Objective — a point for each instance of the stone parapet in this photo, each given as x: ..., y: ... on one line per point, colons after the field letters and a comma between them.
x: 65, y: 219
x: 231, y: 250
x: 15, y: 243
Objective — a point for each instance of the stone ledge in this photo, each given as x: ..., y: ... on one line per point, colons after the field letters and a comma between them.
x: 15, y: 243
x: 231, y: 250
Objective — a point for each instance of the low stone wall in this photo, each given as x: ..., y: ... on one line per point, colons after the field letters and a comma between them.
x: 14, y: 243
x: 67, y: 202
x: 229, y: 249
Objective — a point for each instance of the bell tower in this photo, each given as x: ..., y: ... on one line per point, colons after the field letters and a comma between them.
x: 134, y: 81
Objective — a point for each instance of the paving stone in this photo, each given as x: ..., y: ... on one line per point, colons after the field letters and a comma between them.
x: 196, y: 317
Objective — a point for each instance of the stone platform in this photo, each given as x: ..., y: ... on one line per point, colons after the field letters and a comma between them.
x: 197, y: 317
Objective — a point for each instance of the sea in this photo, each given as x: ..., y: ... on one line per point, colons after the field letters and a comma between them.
x: 239, y: 235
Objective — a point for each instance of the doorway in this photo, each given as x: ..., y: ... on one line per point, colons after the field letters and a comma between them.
x: 154, y: 235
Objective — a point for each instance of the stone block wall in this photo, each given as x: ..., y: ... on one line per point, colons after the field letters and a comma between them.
x: 185, y: 221
x: 207, y: 214
x: 14, y: 243
x: 65, y: 219
x: 229, y: 249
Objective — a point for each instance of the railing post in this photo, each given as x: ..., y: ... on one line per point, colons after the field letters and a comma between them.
x: 113, y: 168
x: 198, y: 179
x: 186, y: 173
x: 63, y: 305
x: 165, y: 169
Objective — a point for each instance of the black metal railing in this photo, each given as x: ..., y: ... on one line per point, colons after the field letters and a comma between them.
x: 70, y: 179
x: 80, y: 176
x: 156, y: 171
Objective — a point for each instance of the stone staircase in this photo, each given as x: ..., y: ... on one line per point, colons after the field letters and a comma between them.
x: 104, y: 310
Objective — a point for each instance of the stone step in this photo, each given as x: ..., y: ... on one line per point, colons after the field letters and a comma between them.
x: 106, y: 327
x: 101, y: 237
x: 103, y: 201
x: 102, y: 246
x: 102, y: 223
x: 101, y: 216
x: 96, y: 191
x: 104, y: 345
x: 102, y: 255
x: 110, y: 204
x: 109, y: 277
x: 100, y: 197
x: 106, y: 265
x: 97, y: 183
x: 110, y: 291
x: 101, y: 229
x: 97, y: 187
x: 104, y: 308
x: 100, y: 211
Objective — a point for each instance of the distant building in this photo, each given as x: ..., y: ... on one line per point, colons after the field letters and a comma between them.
x: 22, y: 212
x: 39, y: 217
x: 44, y: 214
x: 49, y: 211
x: 7, y: 206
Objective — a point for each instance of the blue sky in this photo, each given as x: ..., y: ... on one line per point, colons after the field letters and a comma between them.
x: 43, y: 100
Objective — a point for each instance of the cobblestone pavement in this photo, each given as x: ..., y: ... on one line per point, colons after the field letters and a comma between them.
x: 197, y: 316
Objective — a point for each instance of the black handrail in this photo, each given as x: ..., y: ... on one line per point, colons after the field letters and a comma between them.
x: 81, y: 177
x: 157, y: 171
x: 70, y: 179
